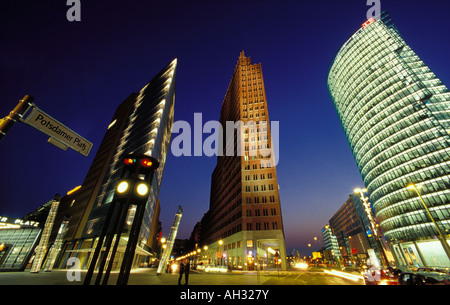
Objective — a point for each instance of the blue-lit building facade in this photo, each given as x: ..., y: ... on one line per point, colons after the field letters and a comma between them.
x: 330, y: 244
x: 142, y: 124
x: 148, y: 131
x: 396, y: 116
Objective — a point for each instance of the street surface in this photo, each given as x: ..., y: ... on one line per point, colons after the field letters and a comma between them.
x: 265, y: 287
x: 149, y: 277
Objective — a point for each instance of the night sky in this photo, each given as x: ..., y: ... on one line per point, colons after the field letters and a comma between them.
x: 79, y: 72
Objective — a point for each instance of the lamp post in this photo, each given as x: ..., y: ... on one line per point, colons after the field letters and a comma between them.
x: 198, y: 255
x: 444, y: 243
x: 221, y: 253
x: 207, y: 255
x: 163, y: 246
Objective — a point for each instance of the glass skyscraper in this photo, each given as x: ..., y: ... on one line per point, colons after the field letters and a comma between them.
x: 396, y: 116
x: 147, y: 131
x: 142, y: 124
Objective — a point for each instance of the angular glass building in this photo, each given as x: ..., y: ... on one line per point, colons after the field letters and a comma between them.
x: 396, y: 116
x: 142, y: 124
x: 147, y: 130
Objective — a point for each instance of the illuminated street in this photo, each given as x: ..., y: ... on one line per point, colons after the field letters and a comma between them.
x: 301, y: 144
x: 149, y: 277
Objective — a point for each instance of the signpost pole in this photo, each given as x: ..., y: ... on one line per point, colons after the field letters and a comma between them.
x: 17, y: 113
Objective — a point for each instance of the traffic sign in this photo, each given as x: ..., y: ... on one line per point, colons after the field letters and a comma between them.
x: 60, y: 135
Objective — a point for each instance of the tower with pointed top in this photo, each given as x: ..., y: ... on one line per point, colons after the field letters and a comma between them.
x: 244, y: 226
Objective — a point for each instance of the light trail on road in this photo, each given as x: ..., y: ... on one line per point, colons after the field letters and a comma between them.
x: 345, y: 275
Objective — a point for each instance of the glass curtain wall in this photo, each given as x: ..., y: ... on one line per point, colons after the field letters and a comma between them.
x: 396, y: 113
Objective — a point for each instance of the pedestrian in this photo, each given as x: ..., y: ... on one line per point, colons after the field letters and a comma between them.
x: 187, y: 267
x: 182, y: 269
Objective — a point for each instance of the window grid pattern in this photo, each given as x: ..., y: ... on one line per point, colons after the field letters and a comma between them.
x: 395, y: 113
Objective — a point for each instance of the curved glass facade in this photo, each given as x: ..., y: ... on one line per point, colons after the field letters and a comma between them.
x: 396, y: 116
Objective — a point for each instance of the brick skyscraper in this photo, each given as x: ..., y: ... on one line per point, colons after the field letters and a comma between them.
x: 244, y: 223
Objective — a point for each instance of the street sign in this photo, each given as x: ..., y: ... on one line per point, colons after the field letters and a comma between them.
x: 60, y: 135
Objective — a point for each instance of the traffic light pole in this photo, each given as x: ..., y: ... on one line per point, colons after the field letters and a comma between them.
x: 98, y: 248
x: 133, y: 189
x: 118, y: 229
x: 106, y: 239
x: 118, y: 222
x: 133, y: 238
x: 131, y: 246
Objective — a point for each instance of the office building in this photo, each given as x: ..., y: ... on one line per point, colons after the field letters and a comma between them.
x: 395, y: 114
x: 142, y: 124
x: 351, y: 228
x: 243, y: 225
x: 330, y: 244
x: 18, y: 240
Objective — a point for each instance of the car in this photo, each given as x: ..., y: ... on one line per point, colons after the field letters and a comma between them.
x: 436, y: 272
x: 412, y: 278
x: 434, y: 269
x: 301, y: 265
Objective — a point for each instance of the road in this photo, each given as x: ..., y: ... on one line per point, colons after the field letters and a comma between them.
x: 149, y: 277
x: 217, y: 288
x: 229, y: 288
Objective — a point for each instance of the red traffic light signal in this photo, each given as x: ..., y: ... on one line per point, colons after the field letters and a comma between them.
x: 139, y: 166
x: 129, y: 161
x: 143, y: 161
x: 146, y: 162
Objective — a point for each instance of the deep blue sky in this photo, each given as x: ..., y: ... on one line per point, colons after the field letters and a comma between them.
x: 79, y: 72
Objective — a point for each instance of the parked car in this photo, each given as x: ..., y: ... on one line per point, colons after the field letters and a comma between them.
x: 436, y: 272
x: 412, y: 278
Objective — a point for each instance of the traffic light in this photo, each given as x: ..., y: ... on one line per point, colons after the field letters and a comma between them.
x: 123, y: 190
x: 129, y: 161
x: 136, y: 179
x: 139, y: 166
x: 130, y: 165
x: 133, y: 188
x: 123, y: 187
x: 142, y: 188
x: 146, y: 162
x: 140, y: 192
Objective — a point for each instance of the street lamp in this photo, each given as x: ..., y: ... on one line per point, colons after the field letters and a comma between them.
x: 415, y: 188
x: 207, y: 254
x: 198, y: 255
x: 221, y: 253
